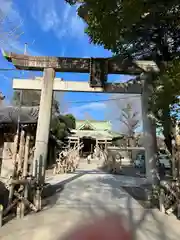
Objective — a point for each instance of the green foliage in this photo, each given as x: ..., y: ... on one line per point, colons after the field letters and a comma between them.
x: 141, y: 29
x: 58, y: 128
x: 61, y: 124
x: 55, y: 106
x: 133, y: 27
x: 71, y: 121
x: 164, y: 102
x: 166, y: 89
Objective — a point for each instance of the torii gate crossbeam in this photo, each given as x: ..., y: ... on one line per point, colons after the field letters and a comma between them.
x: 78, y: 86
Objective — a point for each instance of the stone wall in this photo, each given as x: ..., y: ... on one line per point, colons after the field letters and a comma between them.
x: 128, y: 156
x: 125, y: 161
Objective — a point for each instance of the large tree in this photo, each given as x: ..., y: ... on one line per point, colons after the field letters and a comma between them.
x: 61, y: 124
x: 143, y: 29
x: 164, y: 101
x: 137, y: 27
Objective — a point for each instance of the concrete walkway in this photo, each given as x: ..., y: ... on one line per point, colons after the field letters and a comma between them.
x: 91, y: 193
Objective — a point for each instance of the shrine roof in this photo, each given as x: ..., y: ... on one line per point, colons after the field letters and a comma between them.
x: 96, y: 134
x: 11, y: 114
x: 93, y: 125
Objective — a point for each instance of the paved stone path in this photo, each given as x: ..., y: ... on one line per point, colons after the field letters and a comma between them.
x: 91, y: 193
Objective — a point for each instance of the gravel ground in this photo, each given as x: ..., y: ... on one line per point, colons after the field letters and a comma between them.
x: 87, y: 194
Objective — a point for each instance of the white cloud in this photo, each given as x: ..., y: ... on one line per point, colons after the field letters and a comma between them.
x: 11, y: 29
x: 11, y: 25
x: 81, y: 111
x: 7, y: 9
x: 93, y: 106
x: 58, y: 17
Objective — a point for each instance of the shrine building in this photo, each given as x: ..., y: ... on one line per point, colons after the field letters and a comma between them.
x: 92, y: 133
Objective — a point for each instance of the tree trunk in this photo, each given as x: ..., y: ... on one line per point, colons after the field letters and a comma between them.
x: 168, y: 142
x: 167, y: 127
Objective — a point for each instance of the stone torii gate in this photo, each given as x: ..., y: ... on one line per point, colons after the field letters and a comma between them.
x: 98, y: 69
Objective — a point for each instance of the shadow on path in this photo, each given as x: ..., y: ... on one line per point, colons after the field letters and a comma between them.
x: 142, y: 223
x: 87, y: 198
x: 51, y: 189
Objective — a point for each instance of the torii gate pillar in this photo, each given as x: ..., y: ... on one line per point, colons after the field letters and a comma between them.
x: 43, y: 126
x: 149, y: 132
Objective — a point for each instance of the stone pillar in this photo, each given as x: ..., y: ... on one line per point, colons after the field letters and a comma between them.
x: 149, y: 132
x: 43, y: 126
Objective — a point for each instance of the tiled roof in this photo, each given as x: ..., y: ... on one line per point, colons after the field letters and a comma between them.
x: 94, y: 134
x: 10, y: 114
x: 96, y: 125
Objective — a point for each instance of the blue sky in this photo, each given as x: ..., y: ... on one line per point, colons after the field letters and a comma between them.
x: 53, y: 28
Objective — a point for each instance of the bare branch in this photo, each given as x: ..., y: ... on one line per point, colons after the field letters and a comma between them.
x: 10, y: 31
x: 129, y: 118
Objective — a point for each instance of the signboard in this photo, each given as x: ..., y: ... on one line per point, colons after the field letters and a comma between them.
x: 98, y: 72
x: 80, y: 65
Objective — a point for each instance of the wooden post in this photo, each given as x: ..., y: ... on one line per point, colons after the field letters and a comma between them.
x: 26, y: 154
x: 1, y: 215
x: 14, y: 155
x: 78, y: 146
x: 21, y: 212
x: 105, y: 143
x: 178, y: 152
x: 178, y: 210
x: 37, y: 199
x: 15, y: 147
x: 18, y: 210
x: 1, y: 148
x: 173, y: 162
x: 21, y: 151
x: 20, y: 205
x: 162, y: 200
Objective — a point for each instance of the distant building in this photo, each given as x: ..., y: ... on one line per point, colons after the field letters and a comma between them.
x: 92, y: 133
